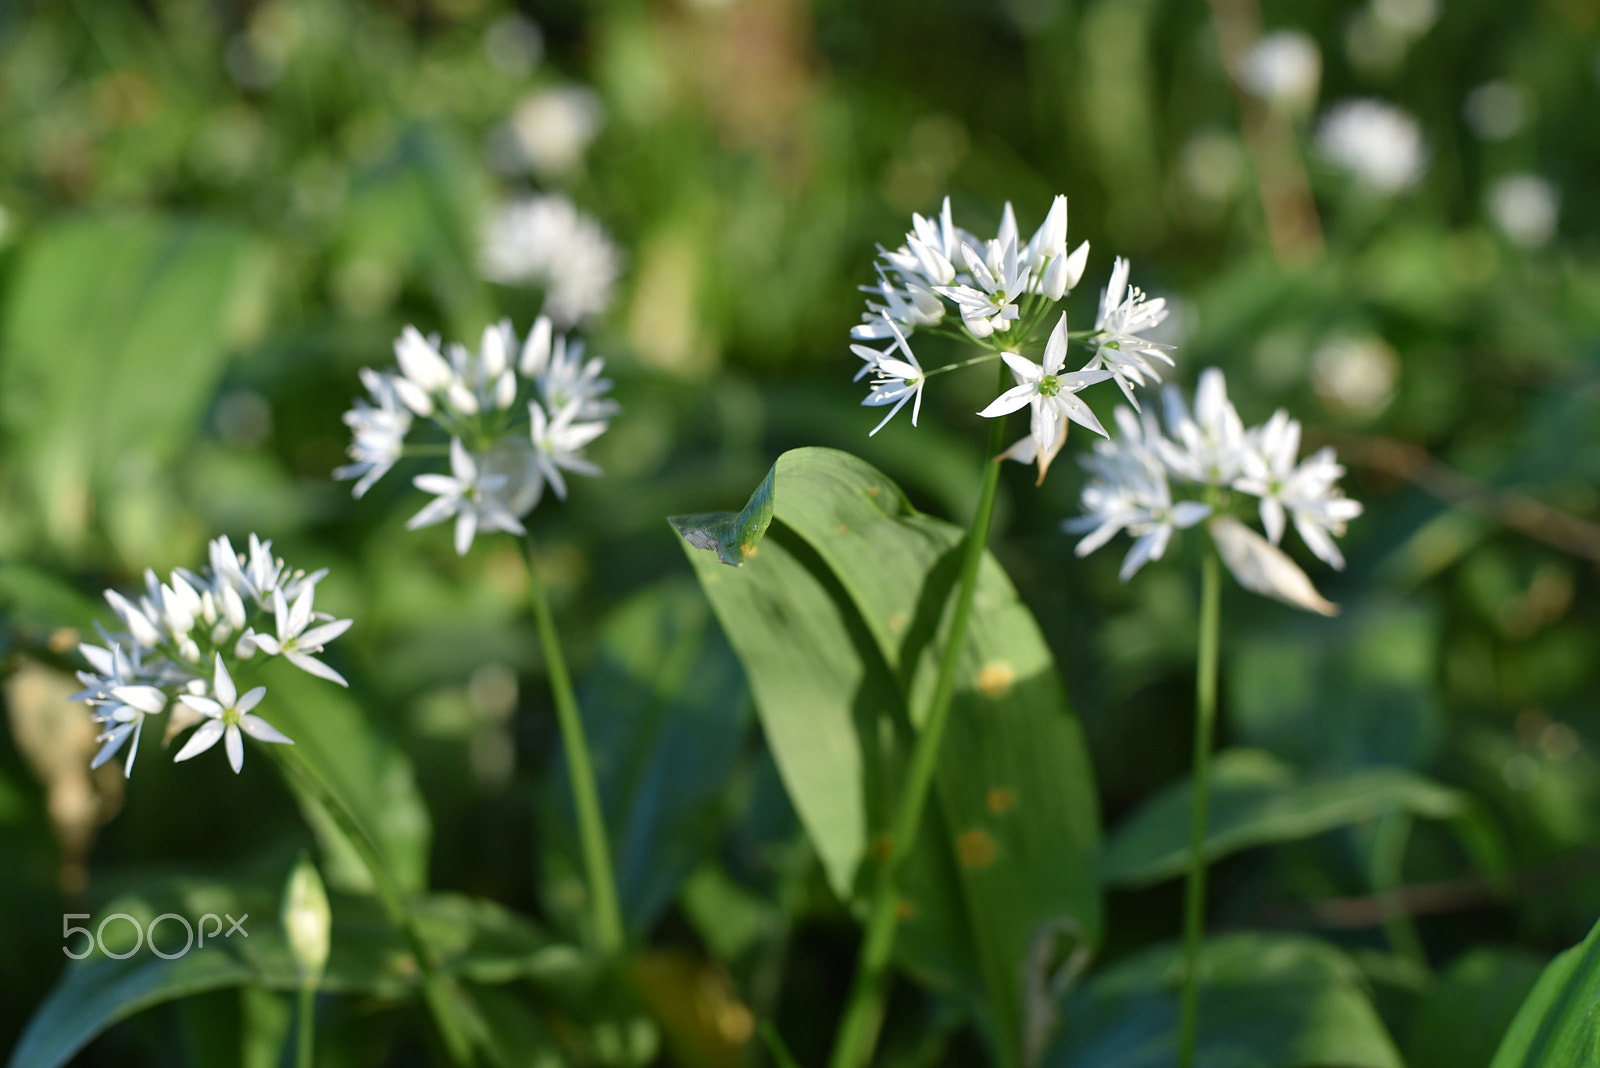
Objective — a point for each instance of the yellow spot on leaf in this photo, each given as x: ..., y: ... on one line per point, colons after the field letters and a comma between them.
x: 1000, y: 800
x: 996, y: 678
x: 975, y: 849
x: 897, y: 622
x: 842, y: 528
x: 904, y: 910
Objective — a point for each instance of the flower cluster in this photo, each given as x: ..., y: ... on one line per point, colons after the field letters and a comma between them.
x: 1004, y: 290
x: 179, y: 639
x: 547, y: 242
x: 515, y: 421
x: 1209, y: 451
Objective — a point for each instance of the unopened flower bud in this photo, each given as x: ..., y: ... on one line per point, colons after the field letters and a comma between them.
x: 307, y: 921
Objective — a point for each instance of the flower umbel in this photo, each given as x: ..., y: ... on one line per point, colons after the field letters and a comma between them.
x: 1004, y: 291
x: 515, y: 419
x: 181, y: 637
x: 1209, y: 452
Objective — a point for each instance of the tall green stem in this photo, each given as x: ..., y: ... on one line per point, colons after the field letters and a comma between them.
x: 307, y: 1025
x: 606, y: 914
x: 1205, y: 725
x: 434, y: 985
x: 863, y: 1013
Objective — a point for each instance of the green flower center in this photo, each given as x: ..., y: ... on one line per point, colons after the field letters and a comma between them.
x: 1049, y: 386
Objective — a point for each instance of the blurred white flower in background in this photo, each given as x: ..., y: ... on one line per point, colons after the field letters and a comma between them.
x: 1283, y: 69
x: 1355, y: 374
x: 549, y: 132
x: 1525, y: 208
x: 1377, y: 143
x: 1496, y: 110
x: 545, y: 241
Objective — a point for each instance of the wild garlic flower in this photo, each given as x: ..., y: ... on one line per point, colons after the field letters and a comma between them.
x: 514, y: 417
x: 546, y: 241
x: 1376, y: 143
x: 181, y: 635
x: 1003, y: 291
x: 1208, y: 453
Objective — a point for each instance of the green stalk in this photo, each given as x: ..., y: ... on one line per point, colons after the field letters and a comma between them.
x: 1205, y: 724
x: 434, y: 985
x: 606, y: 914
x: 863, y: 1012
x: 307, y: 1025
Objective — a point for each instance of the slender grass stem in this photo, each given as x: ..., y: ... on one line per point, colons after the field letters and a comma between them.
x: 434, y: 984
x: 606, y: 914
x: 1205, y: 723
x: 863, y: 1012
x: 307, y: 1024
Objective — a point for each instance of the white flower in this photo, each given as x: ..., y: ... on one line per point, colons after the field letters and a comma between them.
x: 546, y: 241
x: 378, y: 433
x: 1283, y: 69
x: 466, y: 494
x: 558, y: 442
x: 296, y: 644
x: 1318, y: 507
x: 226, y: 715
x: 423, y: 372
x: 1050, y: 393
x: 562, y: 376
x: 897, y: 381
x: 989, y: 304
x: 1130, y: 492
x: 1380, y: 145
x: 1209, y: 445
x: 123, y: 697
x: 1125, y: 313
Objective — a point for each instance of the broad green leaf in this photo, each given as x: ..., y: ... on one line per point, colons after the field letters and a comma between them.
x: 1470, y: 1006
x: 475, y: 940
x: 1557, y: 1026
x: 1257, y: 800
x: 731, y: 535
x: 666, y: 712
x: 113, y: 342
x: 1266, y: 1001
x: 840, y: 618
x: 359, y: 760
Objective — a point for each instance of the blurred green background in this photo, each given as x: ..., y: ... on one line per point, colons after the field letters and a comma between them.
x: 214, y: 212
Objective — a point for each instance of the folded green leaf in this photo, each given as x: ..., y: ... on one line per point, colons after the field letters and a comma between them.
x: 731, y: 535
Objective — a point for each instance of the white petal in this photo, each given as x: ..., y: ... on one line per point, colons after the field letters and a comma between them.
x: 250, y: 699
x: 325, y: 633
x: 311, y: 665
x: 222, y: 685
x: 466, y: 527
x: 144, y: 698
x: 202, y: 739
x: 203, y: 705
x: 113, y: 741
x: 262, y: 731
x: 1025, y: 369
x: 1011, y: 400
x: 233, y: 742
x: 435, y: 511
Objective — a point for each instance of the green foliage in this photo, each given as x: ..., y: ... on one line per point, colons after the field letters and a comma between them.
x: 1257, y: 800
x: 1556, y: 1026
x: 838, y: 618
x: 476, y: 941
x: 1283, y: 1000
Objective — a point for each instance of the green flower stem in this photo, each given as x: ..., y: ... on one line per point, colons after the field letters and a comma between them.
x: 307, y: 1025
x: 434, y: 984
x: 1388, y: 856
x: 607, y: 914
x: 863, y: 1013
x: 1205, y: 725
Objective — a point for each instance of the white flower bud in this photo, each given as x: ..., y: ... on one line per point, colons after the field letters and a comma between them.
x: 413, y: 396
x: 307, y: 921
